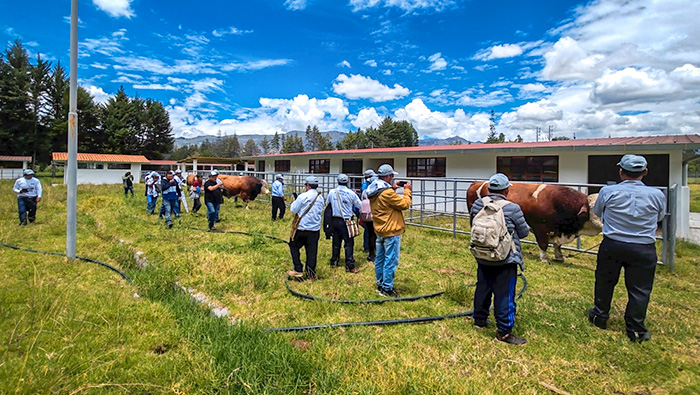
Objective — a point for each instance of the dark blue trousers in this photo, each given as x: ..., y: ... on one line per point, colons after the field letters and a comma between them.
x: 499, y: 282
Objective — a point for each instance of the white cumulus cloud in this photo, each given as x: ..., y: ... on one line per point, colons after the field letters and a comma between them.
x: 115, y: 8
x: 367, y: 117
x: 360, y: 87
x: 344, y: 63
x: 499, y: 52
x: 437, y: 62
x: 229, y: 31
x: 295, y: 5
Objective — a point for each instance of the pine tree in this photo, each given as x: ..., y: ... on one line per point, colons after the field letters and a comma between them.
x: 157, y: 131
x: 39, y: 76
x: 275, y: 144
x: 91, y: 136
x: 57, y: 118
x: 250, y: 148
x: 118, y: 123
x: 265, y: 145
x: 16, y: 120
x: 310, y: 138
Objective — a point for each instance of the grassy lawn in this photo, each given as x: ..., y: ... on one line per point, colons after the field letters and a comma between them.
x: 694, y: 198
x: 78, y: 328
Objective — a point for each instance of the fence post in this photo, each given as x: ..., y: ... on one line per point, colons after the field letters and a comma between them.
x: 454, y: 208
x: 672, y: 231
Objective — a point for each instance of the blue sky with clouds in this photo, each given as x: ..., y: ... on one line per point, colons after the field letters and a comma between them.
x: 593, y: 68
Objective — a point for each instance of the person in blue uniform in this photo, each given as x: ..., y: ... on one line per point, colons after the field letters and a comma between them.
x: 630, y: 212
x: 278, y: 206
x: 344, y: 202
x: 28, y: 190
x: 309, y: 206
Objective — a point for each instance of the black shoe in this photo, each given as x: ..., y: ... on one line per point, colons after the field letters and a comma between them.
x: 388, y: 293
x: 354, y: 270
x: 170, y: 224
x: 370, y: 259
x: 597, y: 320
x: 212, y: 229
x: 31, y: 220
x: 639, y: 337
x: 481, y: 324
x: 23, y: 223
x: 509, y: 338
x: 334, y: 264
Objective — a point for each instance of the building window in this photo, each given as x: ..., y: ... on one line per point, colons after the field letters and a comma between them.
x: 119, y: 166
x: 317, y: 166
x: 82, y: 165
x: 529, y: 168
x: 426, y: 167
x: 261, y: 166
x: 282, y: 166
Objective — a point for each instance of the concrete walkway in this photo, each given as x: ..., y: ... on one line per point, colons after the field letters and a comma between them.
x: 694, y: 228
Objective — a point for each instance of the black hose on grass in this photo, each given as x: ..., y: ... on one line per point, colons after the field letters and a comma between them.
x: 107, y: 265
x: 387, y: 322
x: 350, y: 301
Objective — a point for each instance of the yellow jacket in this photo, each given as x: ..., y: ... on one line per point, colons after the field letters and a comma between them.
x: 387, y: 207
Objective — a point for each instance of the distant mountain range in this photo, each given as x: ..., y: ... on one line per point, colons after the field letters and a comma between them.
x: 335, y: 137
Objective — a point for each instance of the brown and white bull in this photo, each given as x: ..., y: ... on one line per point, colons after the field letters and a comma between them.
x: 555, y: 213
x: 245, y: 187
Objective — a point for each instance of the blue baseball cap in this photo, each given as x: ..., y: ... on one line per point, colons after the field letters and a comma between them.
x: 342, y: 178
x: 633, y: 163
x: 499, y: 182
x: 28, y: 172
x: 311, y: 180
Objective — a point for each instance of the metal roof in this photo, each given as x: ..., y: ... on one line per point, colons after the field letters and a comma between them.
x: 162, y: 162
x: 688, y: 141
x: 82, y: 157
x: 15, y: 158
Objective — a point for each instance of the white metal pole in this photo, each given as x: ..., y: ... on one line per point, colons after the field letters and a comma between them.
x: 72, y: 163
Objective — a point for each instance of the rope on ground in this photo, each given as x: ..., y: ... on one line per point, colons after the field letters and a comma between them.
x: 107, y: 265
x: 387, y: 322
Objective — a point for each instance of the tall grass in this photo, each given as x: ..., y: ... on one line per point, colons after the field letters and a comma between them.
x: 100, y: 338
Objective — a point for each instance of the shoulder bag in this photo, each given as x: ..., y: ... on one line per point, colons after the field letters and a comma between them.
x: 350, y: 223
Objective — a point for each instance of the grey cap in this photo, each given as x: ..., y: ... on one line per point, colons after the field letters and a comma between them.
x: 342, y: 178
x: 385, y: 170
x: 311, y: 180
x: 499, y: 182
x: 155, y: 174
x: 370, y: 173
x: 178, y: 171
x: 213, y: 173
x: 279, y: 177
x: 633, y: 163
x: 28, y: 172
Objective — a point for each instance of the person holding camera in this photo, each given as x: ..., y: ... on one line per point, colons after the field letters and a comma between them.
x: 387, y: 216
x: 28, y: 190
x: 343, y: 202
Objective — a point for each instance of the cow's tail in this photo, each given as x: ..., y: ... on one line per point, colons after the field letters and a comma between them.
x: 478, y: 190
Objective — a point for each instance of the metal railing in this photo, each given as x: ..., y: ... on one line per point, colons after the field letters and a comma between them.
x: 11, y: 174
x: 447, y: 198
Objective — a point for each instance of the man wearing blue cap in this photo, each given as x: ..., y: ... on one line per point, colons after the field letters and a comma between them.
x: 309, y: 207
x: 630, y: 212
x: 497, y: 277
x: 28, y: 190
x: 278, y: 197
x: 343, y: 202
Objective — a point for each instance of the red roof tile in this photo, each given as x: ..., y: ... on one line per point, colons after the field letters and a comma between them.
x: 82, y: 157
x: 15, y: 158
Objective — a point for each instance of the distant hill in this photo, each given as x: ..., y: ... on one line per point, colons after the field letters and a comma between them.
x: 335, y: 137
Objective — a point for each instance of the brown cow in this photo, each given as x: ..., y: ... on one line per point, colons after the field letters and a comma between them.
x: 554, y: 212
x: 246, y: 187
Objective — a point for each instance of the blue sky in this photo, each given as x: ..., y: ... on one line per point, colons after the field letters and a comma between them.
x: 597, y: 68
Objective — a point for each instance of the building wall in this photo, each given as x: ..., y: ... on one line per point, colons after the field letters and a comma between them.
x: 106, y: 176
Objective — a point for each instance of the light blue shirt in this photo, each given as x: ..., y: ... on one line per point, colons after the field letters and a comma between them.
x: 348, y: 199
x: 32, y: 185
x: 277, y: 189
x: 630, y: 211
x: 312, y: 219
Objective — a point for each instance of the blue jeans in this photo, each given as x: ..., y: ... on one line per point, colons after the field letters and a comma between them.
x: 151, y: 206
x: 168, y: 206
x: 212, y: 213
x: 26, y: 206
x: 387, y: 260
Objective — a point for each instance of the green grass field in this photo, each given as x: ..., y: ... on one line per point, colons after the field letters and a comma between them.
x: 694, y: 198
x: 75, y: 327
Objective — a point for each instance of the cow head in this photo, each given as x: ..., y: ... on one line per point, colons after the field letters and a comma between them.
x: 264, y: 190
x: 594, y: 225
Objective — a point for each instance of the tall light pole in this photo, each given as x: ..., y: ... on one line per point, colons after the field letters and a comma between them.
x: 72, y: 164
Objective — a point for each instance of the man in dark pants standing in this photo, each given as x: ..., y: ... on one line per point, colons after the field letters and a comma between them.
x: 308, y: 206
x: 498, y: 278
x: 343, y: 202
x: 28, y: 189
x: 278, y: 197
x: 630, y: 212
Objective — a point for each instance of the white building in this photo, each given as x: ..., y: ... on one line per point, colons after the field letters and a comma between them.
x: 103, y: 168
x: 582, y: 161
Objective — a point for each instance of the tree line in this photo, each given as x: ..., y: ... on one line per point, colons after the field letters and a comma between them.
x: 34, y: 102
